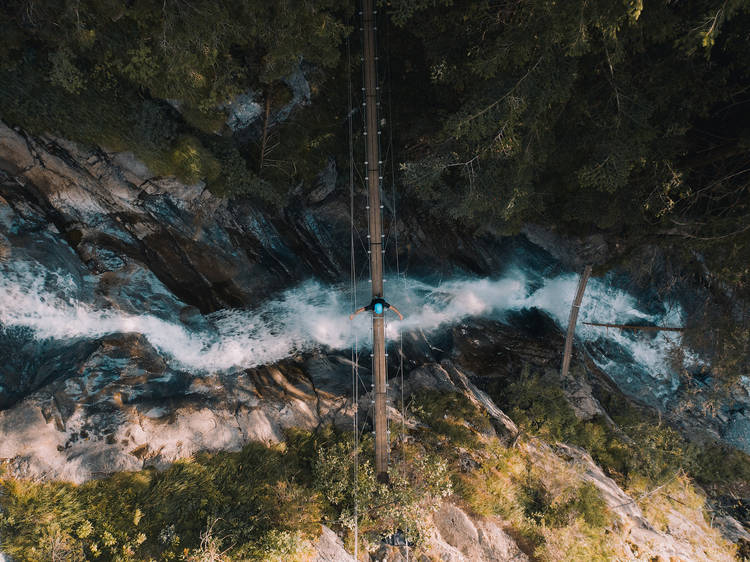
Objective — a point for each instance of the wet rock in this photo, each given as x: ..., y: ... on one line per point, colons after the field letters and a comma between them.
x: 111, y: 211
x: 491, y: 349
x: 28, y: 363
x: 126, y: 241
x: 330, y: 373
x: 126, y: 409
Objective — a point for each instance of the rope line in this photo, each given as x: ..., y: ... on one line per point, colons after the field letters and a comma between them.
x: 390, y: 158
x: 353, y: 274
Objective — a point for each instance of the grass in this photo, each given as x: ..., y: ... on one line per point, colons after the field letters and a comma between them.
x: 680, y: 508
x: 452, y: 416
x: 267, y: 502
x: 254, y: 499
x: 261, y: 503
x: 641, y: 446
x: 542, y: 503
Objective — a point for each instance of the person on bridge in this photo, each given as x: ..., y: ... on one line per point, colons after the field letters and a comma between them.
x: 378, y: 306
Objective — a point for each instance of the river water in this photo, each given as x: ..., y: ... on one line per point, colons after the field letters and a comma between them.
x: 58, y: 307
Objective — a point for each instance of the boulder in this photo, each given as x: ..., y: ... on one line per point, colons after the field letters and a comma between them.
x: 330, y: 548
x: 459, y: 537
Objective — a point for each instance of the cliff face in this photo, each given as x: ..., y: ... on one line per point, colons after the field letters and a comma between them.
x: 98, y: 231
x: 119, y: 291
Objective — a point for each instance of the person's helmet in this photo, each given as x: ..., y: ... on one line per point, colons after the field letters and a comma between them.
x: 378, y: 308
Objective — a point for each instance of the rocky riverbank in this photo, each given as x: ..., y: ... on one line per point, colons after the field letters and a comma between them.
x: 99, y: 233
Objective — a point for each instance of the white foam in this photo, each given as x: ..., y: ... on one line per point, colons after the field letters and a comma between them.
x: 314, y: 315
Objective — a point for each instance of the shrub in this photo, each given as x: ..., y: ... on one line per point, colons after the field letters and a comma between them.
x: 415, y: 489
x: 641, y: 446
x: 261, y: 503
x: 236, y: 179
x: 153, y: 130
x: 191, y: 161
x: 241, y: 497
x: 453, y: 415
x: 719, y: 464
x: 576, y: 541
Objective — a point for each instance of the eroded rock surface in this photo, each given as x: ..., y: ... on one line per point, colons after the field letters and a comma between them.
x: 460, y: 537
x: 87, y: 426
x: 99, y: 228
x: 330, y: 548
x: 683, y: 539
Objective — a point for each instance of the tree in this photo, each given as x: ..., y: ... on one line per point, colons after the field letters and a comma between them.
x: 585, y: 115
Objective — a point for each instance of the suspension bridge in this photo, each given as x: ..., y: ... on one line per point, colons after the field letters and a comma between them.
x: 378, y: 306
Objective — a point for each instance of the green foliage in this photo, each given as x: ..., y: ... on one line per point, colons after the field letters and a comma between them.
x: 538, y: 405
x: 252, y: 499
x: 201, y: 54
x: 262, y: 503
x: 149, y: 128
x: 100, y: 74
x: 192, y: 161
x: 64, y: 73
x: 542, y: 499
x: 267, y: 502
x: 586, y: 502
x: 582, y: 115
x: 546, y: 507
x: 494, y: 480
x: 723, y: 466
x: 639, y: 447
x: 452, y: 415
x: 404, y: 503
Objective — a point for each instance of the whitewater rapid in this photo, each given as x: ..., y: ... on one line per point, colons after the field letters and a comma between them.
x: 314, y: 315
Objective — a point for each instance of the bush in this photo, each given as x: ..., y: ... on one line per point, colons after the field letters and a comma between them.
x: 452, y: 415
x: 251, y: 499
x: 414, y: 490
x: 261, y: 503
x: 719, y: 464
x: 641, y: 446
x: 236, y: 179
x: 153, y: 130
x: 192, y: 162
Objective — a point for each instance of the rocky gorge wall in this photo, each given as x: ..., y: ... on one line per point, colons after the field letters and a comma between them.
x: 135, y: 263
x: 99, y: 232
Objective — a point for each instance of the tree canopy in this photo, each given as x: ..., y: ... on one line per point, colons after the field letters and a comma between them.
x: 598, y: 113
x: 589, y: 115
x: 199, y: 52
x: 112, y: 73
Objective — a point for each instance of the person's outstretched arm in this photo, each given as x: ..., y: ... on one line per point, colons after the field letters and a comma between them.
x: 394, y: 309
x: 351, y: 316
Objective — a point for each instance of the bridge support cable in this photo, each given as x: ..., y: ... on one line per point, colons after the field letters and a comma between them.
x: 572, y: 321
x: 353, y: 288
x: 390, y: 162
